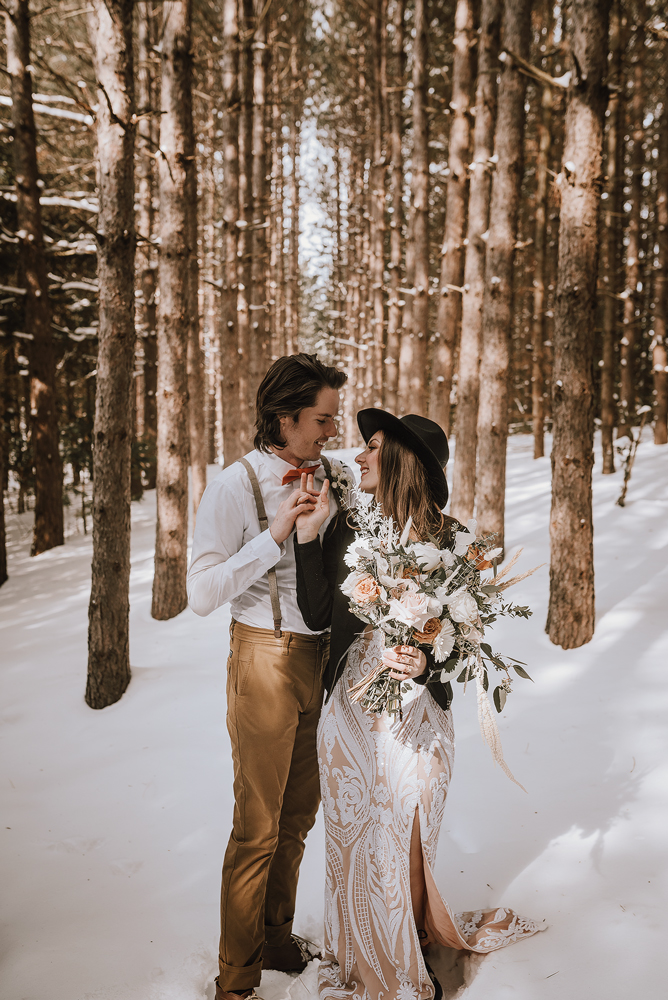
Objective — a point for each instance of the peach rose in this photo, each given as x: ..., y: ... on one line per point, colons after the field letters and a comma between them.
x: 430, y: 630
x: 366, y: 590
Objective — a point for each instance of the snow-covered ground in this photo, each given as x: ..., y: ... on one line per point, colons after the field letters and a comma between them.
x: 114, y: 823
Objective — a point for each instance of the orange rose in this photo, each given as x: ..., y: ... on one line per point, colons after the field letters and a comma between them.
x: 431, y: 629
x: 366, y: 590
x: 476, y: 555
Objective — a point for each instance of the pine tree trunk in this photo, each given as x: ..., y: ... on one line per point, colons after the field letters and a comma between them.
x: 498, y: 296
x: 570, y: 621
x: 413, y: 356
x: 659, y: 353
x: 452, y: 261
x: 145, y: 320
x: 292, y: 286
x: 377, y: 213
x: 174, y: 280
x: 398, y: 64
x: 612, y: 240
x: 632, y: 301
x: 108, y: 612
x: 48, y: 525
x: 258, y: 302
x: 468, y: 385
x: 195, y: 361
x: 229, y: 353
x: 538, y: 318
x: 244, y: 272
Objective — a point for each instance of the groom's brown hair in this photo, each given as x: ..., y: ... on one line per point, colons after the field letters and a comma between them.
x: 291, y: 384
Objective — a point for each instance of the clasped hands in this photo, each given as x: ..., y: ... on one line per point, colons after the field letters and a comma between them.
x: 307, y: 508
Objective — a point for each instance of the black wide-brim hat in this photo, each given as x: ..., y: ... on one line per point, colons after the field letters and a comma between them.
x: 424, y: 437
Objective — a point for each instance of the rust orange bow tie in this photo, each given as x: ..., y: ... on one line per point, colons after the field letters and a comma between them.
x: 293, y: 474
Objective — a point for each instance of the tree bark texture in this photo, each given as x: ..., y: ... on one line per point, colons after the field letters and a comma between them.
x: 145, y: 318
x: 413, y: 356
x: 229, y: 346
x: 183, y: 79
x: 292, y: 286
x: 659, y: 353
x: 468, y: 385
x: 377, y: 213
x: 3, y: 463
x: 498, y: 296
x: 108, y: 612
x: 48, y: 525
x: 398, y: 64
x: 245, y: 219
x: 633, y: 298
x: 539, y: 262
x: 174, y: 279
x: 452, y: 261
x: 570, y: 621
x: 259, y: 359
x: 611, y: 241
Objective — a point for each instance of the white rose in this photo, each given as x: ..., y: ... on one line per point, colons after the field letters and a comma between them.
x: 411, y: 609
x: 427, y: 554
x: 435, y: 606
x: 462, y: 608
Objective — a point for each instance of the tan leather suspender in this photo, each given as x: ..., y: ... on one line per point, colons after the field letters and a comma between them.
x: 264, y: 524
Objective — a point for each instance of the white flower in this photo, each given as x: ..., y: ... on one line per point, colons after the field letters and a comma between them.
x: 355, y: 551
x: 406, y: 532
x: 435, y: 606
x: 463, y: 539
x: 444, y: 641
x: 427, y: 554
x: 447, y: 558
x: 411, y: 609
x: 462, y: 607
x: 350, y: 582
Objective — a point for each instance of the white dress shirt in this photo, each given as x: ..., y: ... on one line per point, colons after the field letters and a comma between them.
x: 231, y: 556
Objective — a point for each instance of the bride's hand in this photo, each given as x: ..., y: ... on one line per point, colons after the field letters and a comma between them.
x: 310, y: 521
x: 405, y: 662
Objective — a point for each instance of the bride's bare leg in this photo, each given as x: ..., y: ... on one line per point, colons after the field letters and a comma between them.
x: 416, y: 868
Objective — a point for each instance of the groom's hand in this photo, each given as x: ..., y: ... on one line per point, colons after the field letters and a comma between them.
x: 310, y: 522
x: 299, y: 502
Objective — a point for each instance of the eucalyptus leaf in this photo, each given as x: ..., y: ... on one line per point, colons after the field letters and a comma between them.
x: 499, y: 698
x: 522, y: 672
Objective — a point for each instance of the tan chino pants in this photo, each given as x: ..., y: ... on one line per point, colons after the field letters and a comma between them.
x: 274, y: 697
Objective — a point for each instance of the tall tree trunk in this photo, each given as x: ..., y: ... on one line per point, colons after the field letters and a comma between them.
x: 413, y: 356
x: 244, y: 271
x: 48, y: 526
x: 468, y: 385
x: 398, y: 64
x: 570, y: 620
x: 174, y: 280
x: 452, y: 261
x: 145, y: 319
x: 632, y: 301
x: 377, y: 213
x: 195, y: 359
x: 258, y: 300
x: 229, y: 347
x: 3, y: 469
x: 612, y: 242
x: 659, y: 353
x: 292, y: 287
x: 498, y: 296
x: 108, y: 611
x: 538, y: 317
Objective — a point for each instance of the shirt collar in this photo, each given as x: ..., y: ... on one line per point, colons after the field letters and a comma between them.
x: 278, y: 466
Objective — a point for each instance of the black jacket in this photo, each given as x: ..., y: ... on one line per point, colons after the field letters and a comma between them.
x: 320, y: 572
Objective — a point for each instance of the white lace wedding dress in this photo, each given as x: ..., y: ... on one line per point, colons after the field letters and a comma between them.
x: 377, y: 777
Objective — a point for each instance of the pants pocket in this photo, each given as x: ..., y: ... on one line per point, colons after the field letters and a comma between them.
x: 238, y: 665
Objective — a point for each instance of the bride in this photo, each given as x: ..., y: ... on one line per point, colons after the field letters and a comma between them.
x: 384, y: 780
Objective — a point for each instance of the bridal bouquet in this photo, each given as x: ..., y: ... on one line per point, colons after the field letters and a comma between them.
x: 419, y: 594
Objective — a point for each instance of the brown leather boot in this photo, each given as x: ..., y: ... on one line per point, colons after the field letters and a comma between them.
x: 291, y: 957
x: 221, y: 994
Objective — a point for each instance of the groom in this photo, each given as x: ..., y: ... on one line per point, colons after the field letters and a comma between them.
x: 243, y: 553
